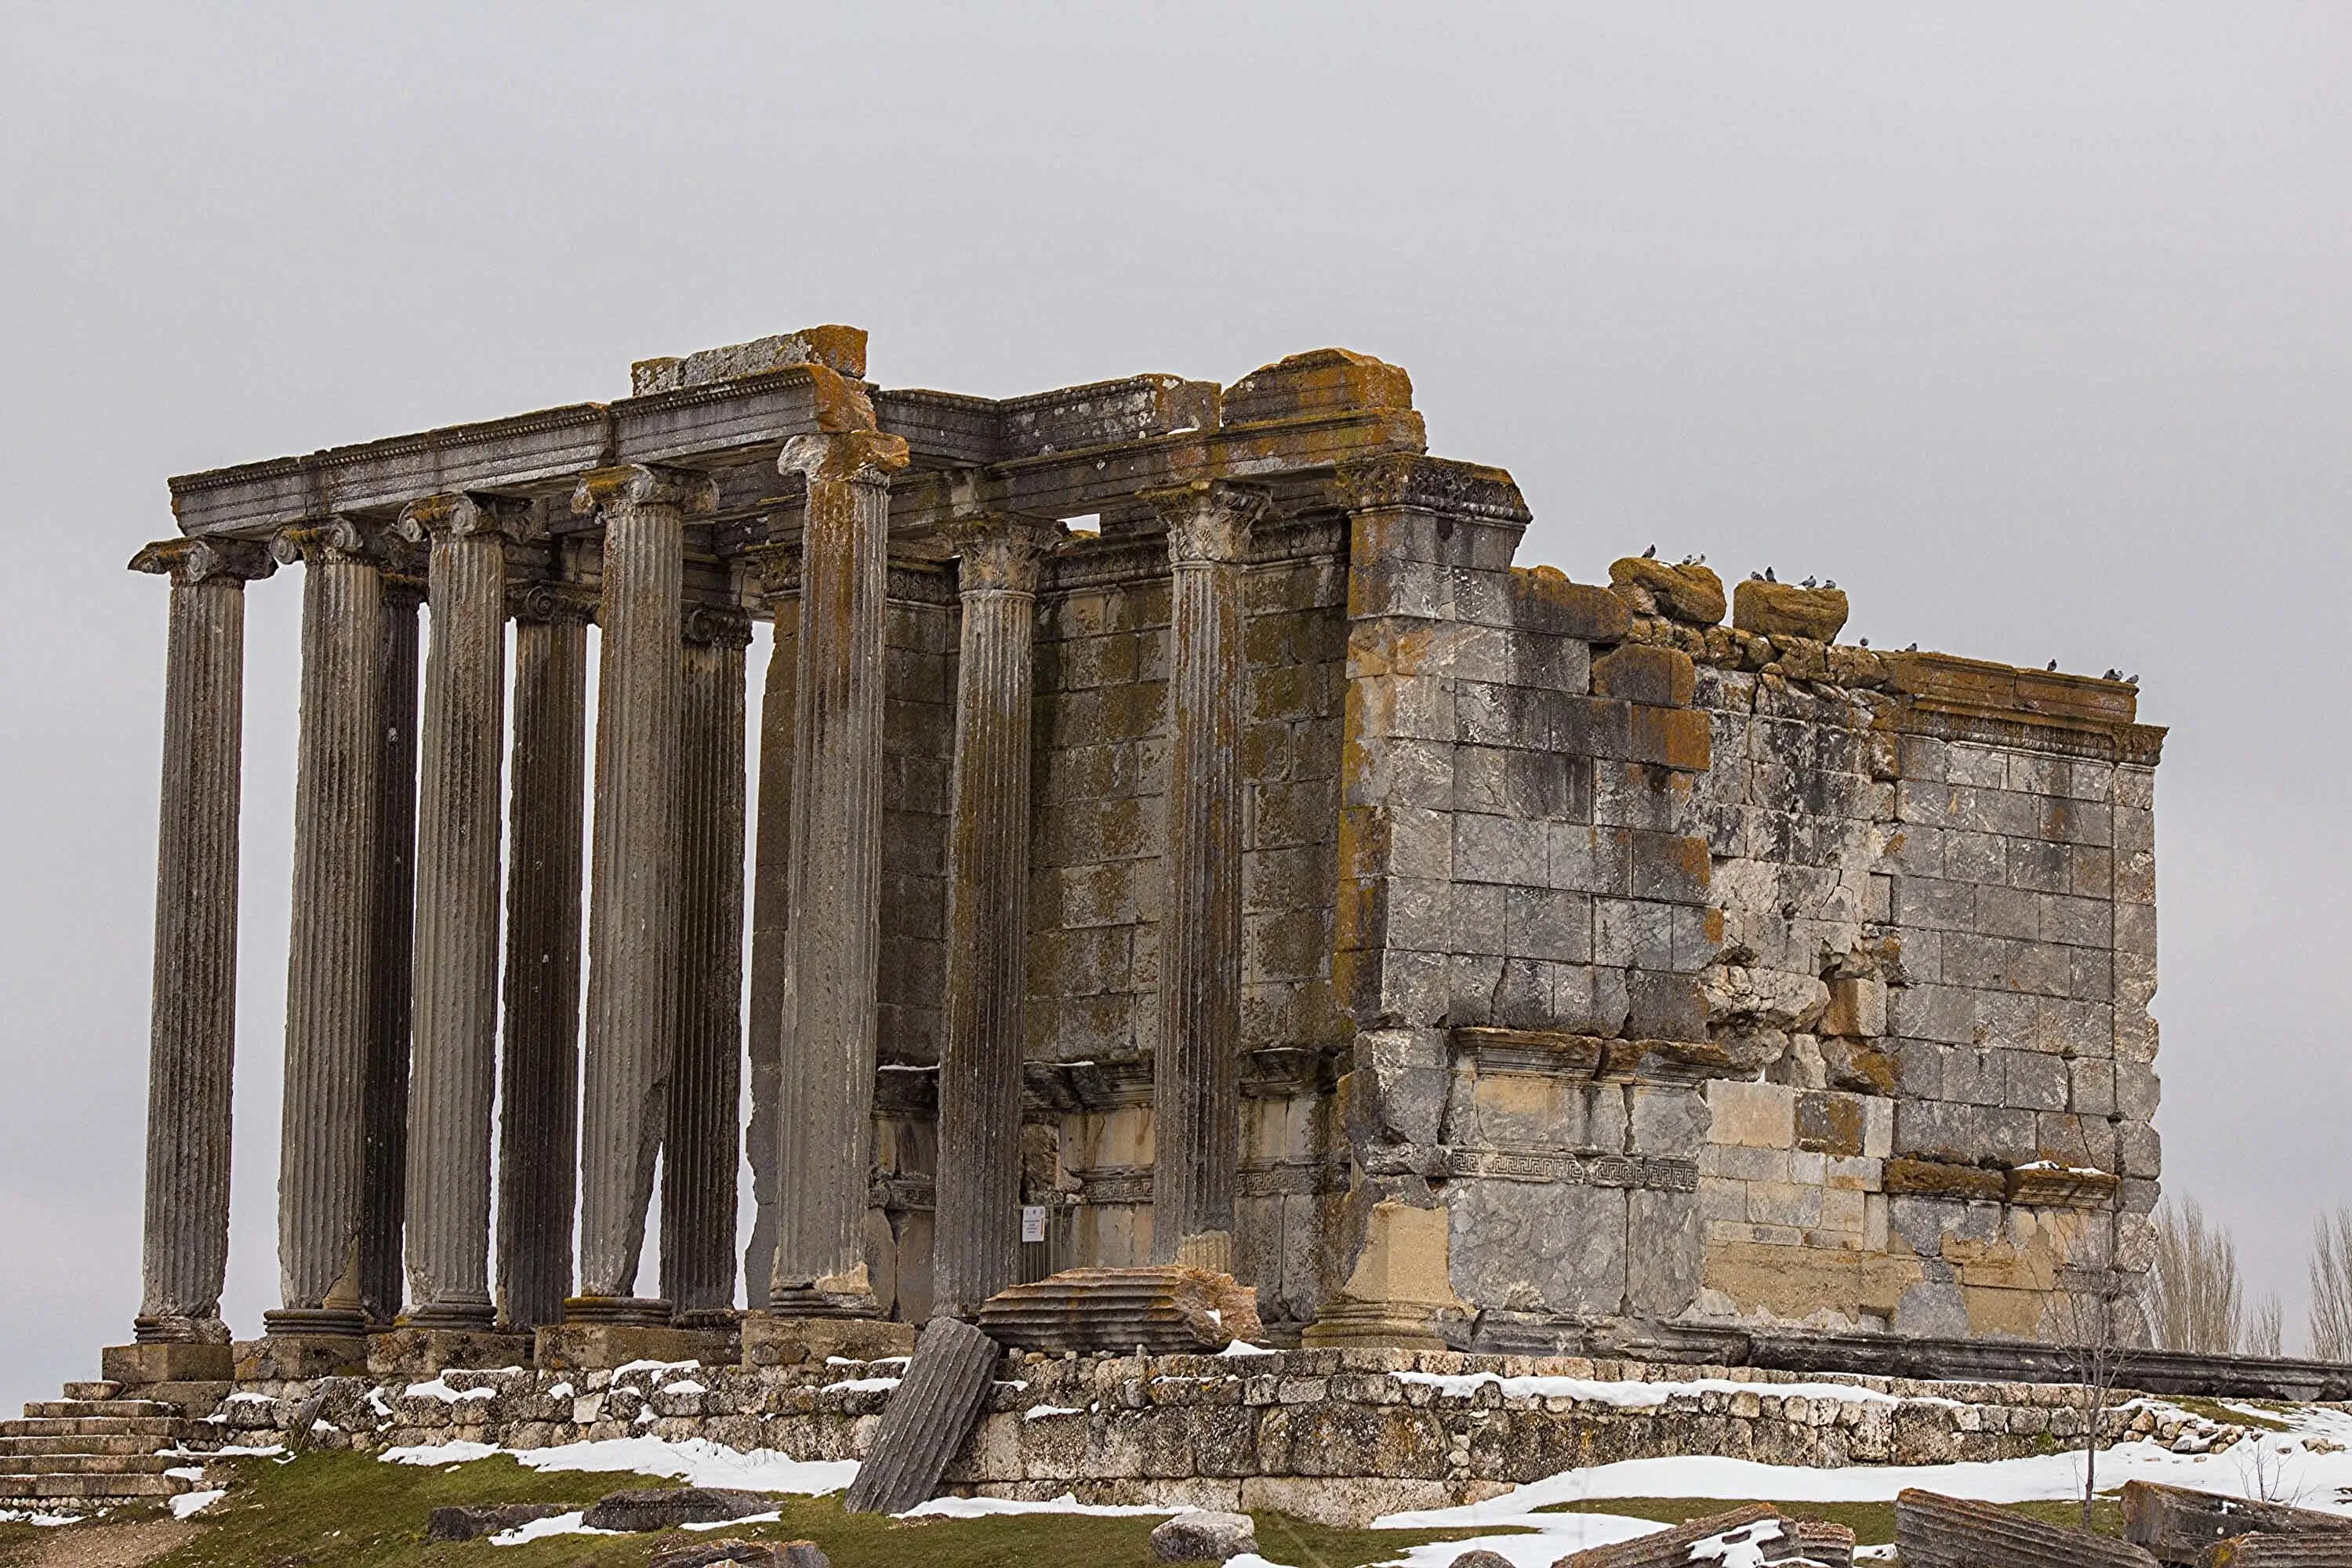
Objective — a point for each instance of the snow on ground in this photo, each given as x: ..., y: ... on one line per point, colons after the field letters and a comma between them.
x: 553, y: 1524
x: 1634, y: 1393
x: 696, y: 1461
x: 982, y: 1507
x: 187, y: 1504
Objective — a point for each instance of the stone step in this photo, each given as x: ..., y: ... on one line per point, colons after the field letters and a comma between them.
x: 92, y: 1390
x: 162, y: 1429
x: 87, y: 1464
x: 70, y: 1443
x: 14, y: 1488
x: 56, y: 1409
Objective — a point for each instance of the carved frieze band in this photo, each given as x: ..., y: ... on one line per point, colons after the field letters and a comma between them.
x: 1566, y: 1167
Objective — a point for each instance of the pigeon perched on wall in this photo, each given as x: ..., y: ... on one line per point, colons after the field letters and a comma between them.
x: 2113, y: 675
x: 1811, y: 584
x: 1768, y: 575
x: 1913, y: 648
x: 2052, y: 665
x: 1829, y: 581
x: 1651, y: 553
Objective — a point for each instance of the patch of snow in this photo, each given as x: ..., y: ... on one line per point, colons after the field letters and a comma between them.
x: 696, y: 1461
x: 186, y: 1472
x: 625, y: 1368
x: 376, y: 1403
x: 1740, y: 1548
x: 1563, y: 1533
x: 439, y: 1389
x: 35, y: 1517
x: 684, y: 1385
x: 560, y: 1391
x: 1039, y: 1411
x: 862, y: 1385
x: 1242, y: 1347
x: 877, y: 1361
x: 982, y: 1507
x: 773, y: 1516
x: 247, y: 1398
x: 187, y: 1504
x: 464, y: 1450
x: 553, y: 1524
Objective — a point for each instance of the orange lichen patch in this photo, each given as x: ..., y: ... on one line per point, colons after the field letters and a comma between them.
x: 1933, y: 1178
x: 1321, y: 381
x: 1690, y: 593
x: 1544, y: 600
x: 1786, y: 609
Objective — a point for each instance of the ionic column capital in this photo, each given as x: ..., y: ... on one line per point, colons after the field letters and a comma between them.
x: 851, y: 457
x: 455, y: 514
x: 716, y: 626
x: 339, y: 539
x: 1002, y: 554
x: 544, y: 601
x: 1209, y: 521
x: 638, y: 484
x: 186, y: 561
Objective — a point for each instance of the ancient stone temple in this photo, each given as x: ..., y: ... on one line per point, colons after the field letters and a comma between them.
x: 1181, y: 832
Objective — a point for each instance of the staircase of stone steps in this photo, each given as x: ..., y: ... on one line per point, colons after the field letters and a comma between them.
x: 94, y: 1447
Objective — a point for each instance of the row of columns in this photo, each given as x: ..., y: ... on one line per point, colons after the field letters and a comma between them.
x: 391, y: 1058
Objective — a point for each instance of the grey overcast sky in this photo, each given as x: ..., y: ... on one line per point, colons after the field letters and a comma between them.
x: 2028, y: 322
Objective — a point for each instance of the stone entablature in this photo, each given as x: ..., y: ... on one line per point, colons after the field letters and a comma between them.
x: 1460, y: 954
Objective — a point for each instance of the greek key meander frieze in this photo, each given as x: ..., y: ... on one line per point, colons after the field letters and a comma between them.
x: 1574, y: 1168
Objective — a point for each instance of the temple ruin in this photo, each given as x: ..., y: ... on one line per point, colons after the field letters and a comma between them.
x: 1181, y: 832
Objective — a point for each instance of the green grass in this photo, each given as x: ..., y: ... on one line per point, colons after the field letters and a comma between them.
x: 354, y: 1512
x: 2214, y: 1410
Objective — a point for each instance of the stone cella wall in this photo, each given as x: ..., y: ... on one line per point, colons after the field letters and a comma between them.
x: 1341, y: 1436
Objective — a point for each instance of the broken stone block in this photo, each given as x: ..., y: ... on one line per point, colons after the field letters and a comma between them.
x: 1167, y: 1309
x: 1692, y: 595
x: 1786, y: 610
x: 1204, y: 1537
x: 1321, y: 381
x: 471, y: 1522
x: 838, y: 349
x: 930, y: 1414
x: 1639, y: 672
x: 661, y: 1508
x: 2178, y: 1524
x: 1933, y: 1531
x: 1752, y: 1534
x: 1544, y: 600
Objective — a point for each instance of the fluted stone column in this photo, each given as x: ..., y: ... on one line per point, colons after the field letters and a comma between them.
x: 700, y: 1152
x: 384, y: 1101
x: 332, y: 946
x: 1195, y: 1096
x: 538, y: 1104
x: 976, y: 1240
x: 779, y: 568
x: 192, y: 1045
x: 827, y: 1080
x: 453, y: 1060
x: 632, y: 1037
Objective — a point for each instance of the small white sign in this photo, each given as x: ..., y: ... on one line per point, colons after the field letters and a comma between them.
x: 1033, y: 1221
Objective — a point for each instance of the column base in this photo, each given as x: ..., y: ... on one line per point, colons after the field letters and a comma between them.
x: 460, y: 1315
x: 417, y: 1350
x: 815, y: 1302
x: 589, y: 1347
x: 178, y: 1331
x: 774, y: 1339
x: 136, y: 1365
x: 294, y: 1358
x: 641, y: 1311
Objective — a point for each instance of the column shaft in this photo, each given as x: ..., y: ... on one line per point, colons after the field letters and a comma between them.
x: 976, y: 1245
x: 827, y: 1080
x: 700, y: 1152
x: 192, y: 1047
x: 1196, y: 1120
x: 455, y: 1061
x: 332, y: 946
x: 632, y: 1037
x: 538, y: 1110
x: 384, y: 1174
x: 771, y: 944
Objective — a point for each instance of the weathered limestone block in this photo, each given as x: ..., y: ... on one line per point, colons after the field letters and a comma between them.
x: 1166, y: 1308
x: 838, y: 349
x: 1690, y: 593
x: 1322, y: 380
x: 1934, y: 1531
x: 1204, y: 1536
x: 1756, y: 1533
x: 1638, y: 672
x: 471, y: 1522
x: 662, y: 1507
x: 1785, y: 610
x: 1543, y: 599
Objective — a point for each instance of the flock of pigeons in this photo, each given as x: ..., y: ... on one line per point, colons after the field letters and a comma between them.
x: 1766, y: 576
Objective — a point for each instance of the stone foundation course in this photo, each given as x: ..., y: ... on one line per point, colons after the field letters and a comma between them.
x: 1336, y: 1436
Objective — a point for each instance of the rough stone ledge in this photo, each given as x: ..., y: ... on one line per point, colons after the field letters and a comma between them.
x: 1334, y: 1434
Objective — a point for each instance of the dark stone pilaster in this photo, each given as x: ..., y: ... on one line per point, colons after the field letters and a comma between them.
x: 332, y: 946
x: 976, y: 1237
x: 383, y: 1101
x: 538, y: 1106
x: 1196, y: 1104
x: 825, y: 1133
x: 191, y: 1047
x: 632, y: 1037
x: 771, y: 896
x: 700, y: 1151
